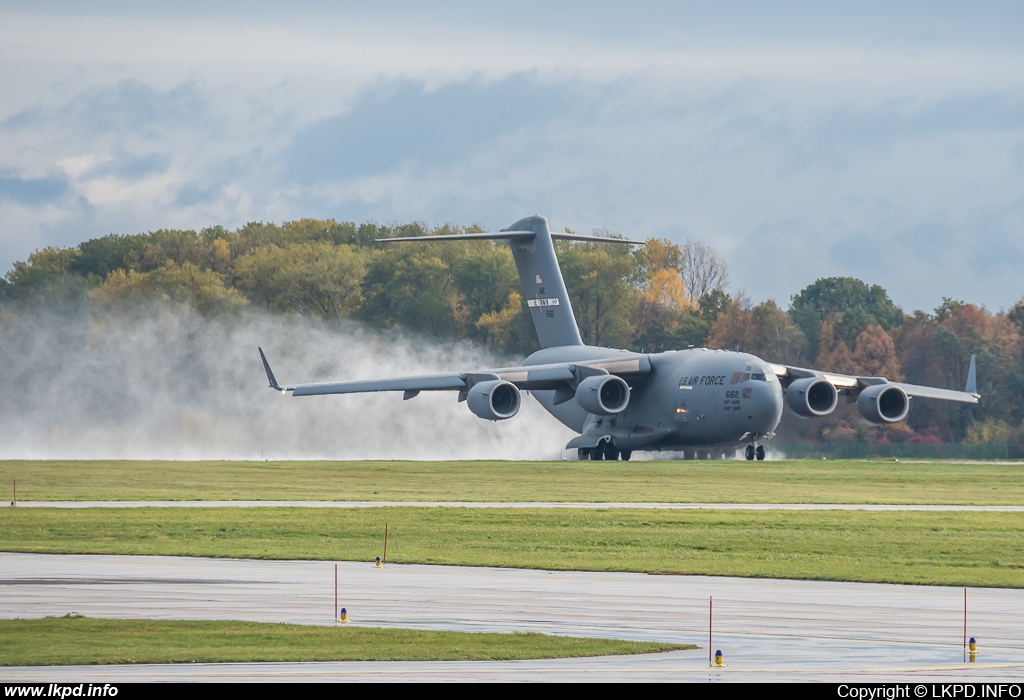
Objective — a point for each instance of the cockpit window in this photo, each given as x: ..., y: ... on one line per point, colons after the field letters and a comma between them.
x: 757, y: 377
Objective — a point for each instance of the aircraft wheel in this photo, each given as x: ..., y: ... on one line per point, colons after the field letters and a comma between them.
x: 749, y: 453
x: 583, y: 453
x: 611, y: 453
x: 760, y: 453
x: 626, y: 454
x: 597, y: 453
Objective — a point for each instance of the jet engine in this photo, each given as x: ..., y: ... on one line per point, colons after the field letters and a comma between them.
x: 812, y: 397
x: 883, y: 403
x: 604, y: 395
x: 494, y: 400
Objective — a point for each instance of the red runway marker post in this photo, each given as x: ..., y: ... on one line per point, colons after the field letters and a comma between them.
x: 710, y: 617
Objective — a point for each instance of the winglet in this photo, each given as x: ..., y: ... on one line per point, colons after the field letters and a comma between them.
x: 972, y: 378
x: 270, y: 374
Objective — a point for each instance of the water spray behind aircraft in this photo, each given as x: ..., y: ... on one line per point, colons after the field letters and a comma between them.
x: 166, y: 383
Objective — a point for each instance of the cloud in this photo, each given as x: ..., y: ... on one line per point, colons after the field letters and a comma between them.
x: 399, y: 122
x: 32, y: 191
x: 128, y: 166
x: 127, y: 107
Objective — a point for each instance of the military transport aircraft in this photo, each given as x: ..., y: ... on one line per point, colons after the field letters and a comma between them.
x: 704, y: 403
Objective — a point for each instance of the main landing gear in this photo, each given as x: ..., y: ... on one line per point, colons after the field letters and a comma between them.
x: 603, y: 451
x: 752, y: 452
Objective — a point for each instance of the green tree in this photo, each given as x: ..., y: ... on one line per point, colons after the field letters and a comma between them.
x: 859, y: 304
x: 311, y: 279
x: 410, y: 286
x: 47, y: 277
x: 101, y: 256
x: 187, y: 285
x: 598, y: 278
x: 489, y: 304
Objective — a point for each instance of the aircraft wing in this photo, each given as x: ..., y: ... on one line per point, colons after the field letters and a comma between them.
x: 852, y: 385
x: 929, y: 392
x: 431, y: 382
x: 535, y: 377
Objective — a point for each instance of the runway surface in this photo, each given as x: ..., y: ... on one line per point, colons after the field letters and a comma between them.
x: 768, y: 630
x: 503, y: 504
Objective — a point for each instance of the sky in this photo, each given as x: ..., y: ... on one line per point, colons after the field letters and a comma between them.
x: 883, y: 141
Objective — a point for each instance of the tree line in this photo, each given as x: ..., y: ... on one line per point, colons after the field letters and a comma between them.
x: 657, y: 297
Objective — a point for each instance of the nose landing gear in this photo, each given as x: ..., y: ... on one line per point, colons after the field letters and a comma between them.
x: 751, y: 452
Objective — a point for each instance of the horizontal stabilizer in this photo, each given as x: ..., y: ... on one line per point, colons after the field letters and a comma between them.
x: 594, y: 239
x: 496, y: 236
x: 509, y: 236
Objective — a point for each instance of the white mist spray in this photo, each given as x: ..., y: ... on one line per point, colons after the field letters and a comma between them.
x: 169, y: 384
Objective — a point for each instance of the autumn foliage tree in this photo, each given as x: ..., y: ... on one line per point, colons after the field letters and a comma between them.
x: 936, y: 348
x: 764, y: 330
x: 680, y: 294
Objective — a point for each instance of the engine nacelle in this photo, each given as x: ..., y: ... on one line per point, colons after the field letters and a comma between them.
x: 883, y: 403
x: 812, y: 397
x: 494, y: 400
x: 604, y: 395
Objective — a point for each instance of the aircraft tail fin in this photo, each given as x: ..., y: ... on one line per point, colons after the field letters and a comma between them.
x: 539, y: 274
x: 544, y: 290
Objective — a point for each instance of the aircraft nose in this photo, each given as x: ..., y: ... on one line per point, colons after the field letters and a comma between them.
x: 765, y: 407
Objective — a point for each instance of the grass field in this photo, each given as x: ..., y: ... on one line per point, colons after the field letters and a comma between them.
x: 950, y: 548
x: 797, y: 481
x: 82, y: 640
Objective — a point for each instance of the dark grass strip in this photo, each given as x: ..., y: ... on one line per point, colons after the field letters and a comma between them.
x: 794, y: 481
x: 82, y: 640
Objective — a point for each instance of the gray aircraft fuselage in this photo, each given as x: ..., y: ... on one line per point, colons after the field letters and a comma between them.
x: 695, y: 400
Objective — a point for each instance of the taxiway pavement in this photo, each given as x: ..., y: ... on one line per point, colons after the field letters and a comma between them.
x: 767, y: 629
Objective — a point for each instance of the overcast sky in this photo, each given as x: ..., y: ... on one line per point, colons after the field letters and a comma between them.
x: 800, y: 140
